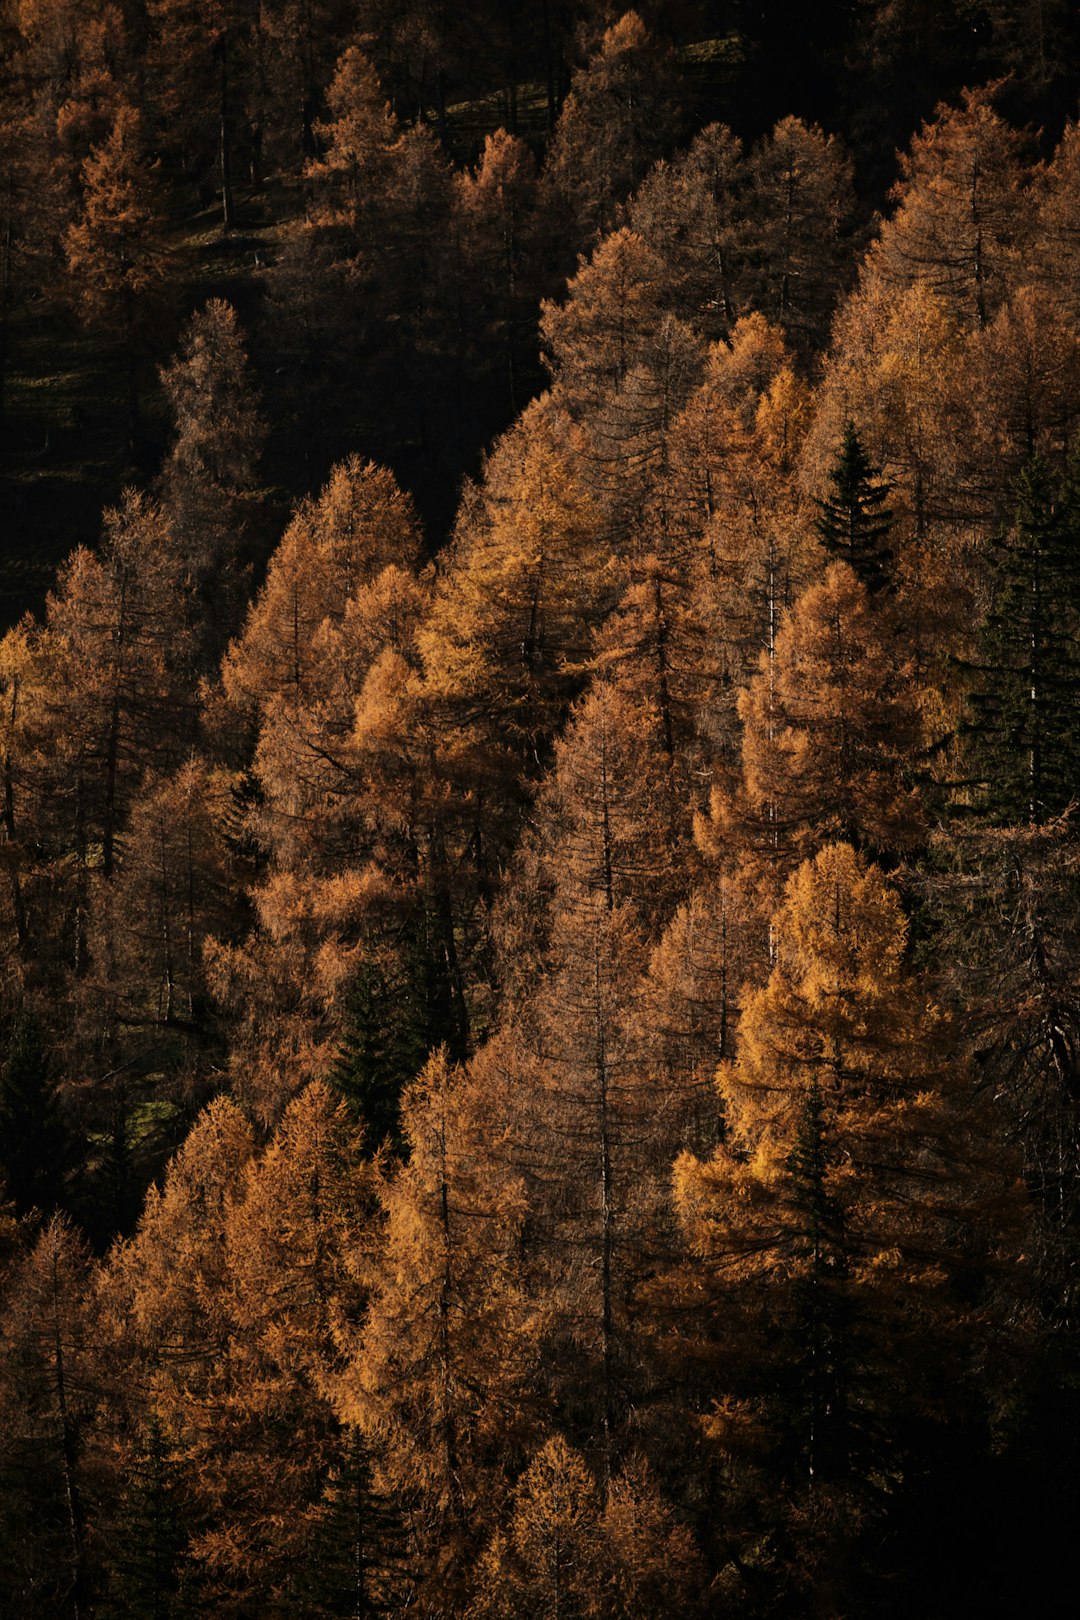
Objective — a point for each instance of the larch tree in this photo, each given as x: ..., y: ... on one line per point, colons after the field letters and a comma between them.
x: 495, y: 206
x: 851, y: 1219
x: 1017, y: 388
x: 596, y: 874
x: 1001, y: 907
x: 443, y: 1364
x: 24, y: 223
x: 1056, y: 244
x: 961, y: 220
x: 47, y: 1389
x: 173, y: 887
x: 117, y: 617
x: 161, y: 1296
x: 359, y: 524
x: 799, y: 210
x: 686, y: 1013
x: 622, y: 111
x: 508, y: 629
x: 210, y: 472
x: 547, y: 1560
x: 293, y: 1239
x: 893, y: 370
x: 622, y: 443
x: 831, y: 730
x: 608, y: 322
x: 693, y: 212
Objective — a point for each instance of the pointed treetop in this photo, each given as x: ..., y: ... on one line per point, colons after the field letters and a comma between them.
x: 855, y: 522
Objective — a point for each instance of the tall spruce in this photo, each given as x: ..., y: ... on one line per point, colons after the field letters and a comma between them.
x: 394, y: 1018
x: 854, y: 521
x: 32, y: 1137
x: 149, y: 1574
x: 356, y: 1564
x: 1023, y: 743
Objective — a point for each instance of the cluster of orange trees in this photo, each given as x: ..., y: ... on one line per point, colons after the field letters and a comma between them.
x: 545, y: 1080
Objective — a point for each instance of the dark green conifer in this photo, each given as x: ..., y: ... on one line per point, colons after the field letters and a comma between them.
x: 1024, y: 739
x: 378, y: 1055
x: 855, y: 522
x: 148, y: 1569
x: 395, y: 1017
x: 356, y: 1559
x: 32, y: 1140
x: 820, y: 1364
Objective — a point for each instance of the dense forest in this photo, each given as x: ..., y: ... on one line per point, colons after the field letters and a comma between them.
x: 539, y: 757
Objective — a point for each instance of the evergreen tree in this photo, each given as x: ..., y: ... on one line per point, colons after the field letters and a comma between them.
x: 1024, y: 745
x: 32, y: 1147
x: 821, y: 1301
x: 150, y: 1550
x: 855, y: 521
x: 382, y: 1048
x: 356, y: 1561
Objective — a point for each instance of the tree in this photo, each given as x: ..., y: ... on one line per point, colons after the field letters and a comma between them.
x: 442, y: 1368
x: 212, y: 464
x: 547, y: 1562
x: 161, y: 1297
x: 393, y: 1020
x: 494, y: 207
x: 608, y: 322
x: 356, y: 1563
x: 686, y: 1014
x: 1006, y: 943
x: 117, y: 617
x: 1056, y: 242
x: 377, y: 225
x: 898, y: 369
x: 201, y: 62
x: 854, y: 523
x: 115, y: 251
x: 290, y: 1294
x: 508, y: 629
x: 33, y: 1147
x: 849, y: 1220
x: 23, y: 229
x: 360, y: 524
x: 648, y: 1560
x: 692, y: 212
x: 831, y: 728
x: 1022, y: 727
x: 46, y: 1397
x: 622, y: 111
x: 799, y: 211
x: 960, y: 223
x: 148, y: 1559
x: 1018, y: 390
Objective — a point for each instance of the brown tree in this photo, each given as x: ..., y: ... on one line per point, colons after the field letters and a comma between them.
x: 442, y: 1368
x: 960, y: 222
x: 116, y: 251
x: 799, y: 208
x: 622, y: 111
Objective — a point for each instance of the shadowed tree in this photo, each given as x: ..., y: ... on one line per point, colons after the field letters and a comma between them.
x: 115, y: 251
x: 854, y: 522
x: 1022, y: 727
x: 33, y: 1145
